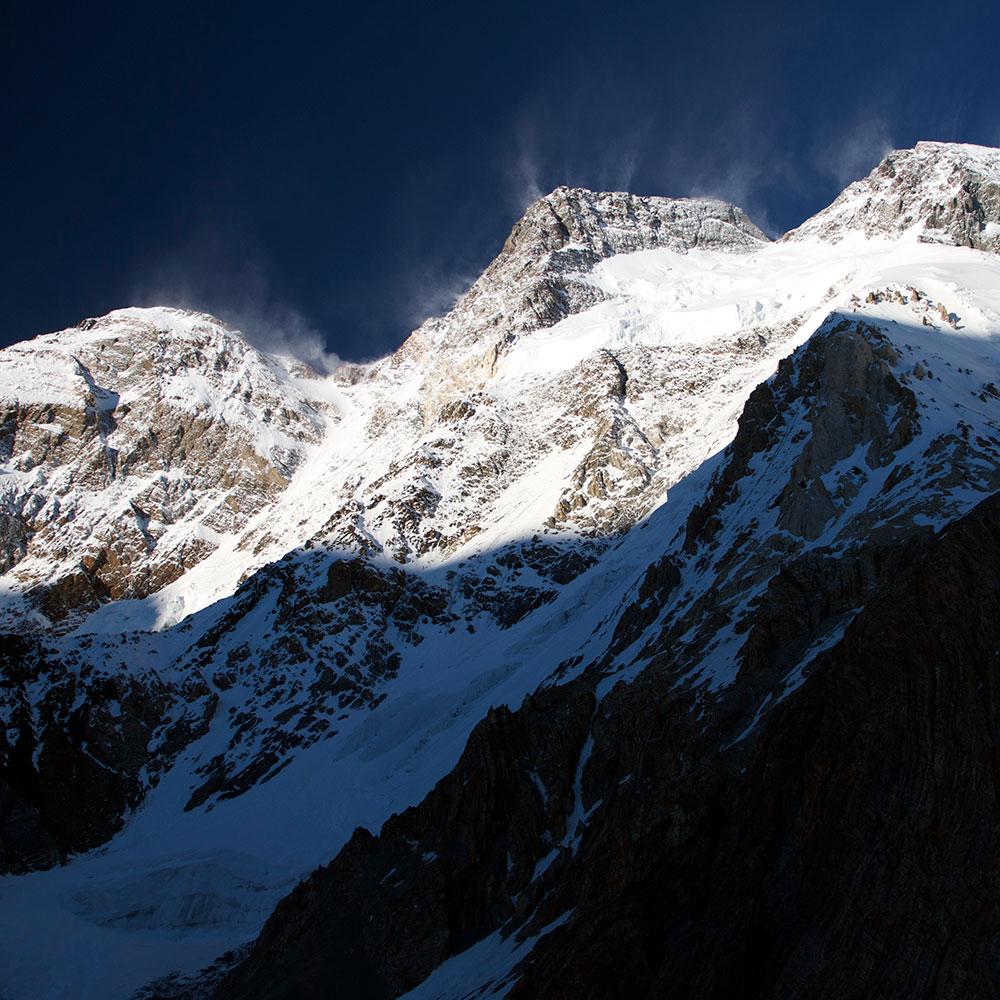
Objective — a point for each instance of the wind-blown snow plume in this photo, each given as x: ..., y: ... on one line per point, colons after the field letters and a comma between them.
x: 850, y: 154
x: 210, y: 275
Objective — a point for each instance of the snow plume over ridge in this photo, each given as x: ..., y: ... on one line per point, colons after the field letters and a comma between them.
x: 856, y: 151
x: 281, y: 329
x: 583, y: 144
x: 208, y: 276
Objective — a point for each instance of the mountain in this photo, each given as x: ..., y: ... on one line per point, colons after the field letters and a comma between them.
x: 627, y: 632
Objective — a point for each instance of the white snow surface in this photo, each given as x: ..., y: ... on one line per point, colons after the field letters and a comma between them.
x: 175, y: 889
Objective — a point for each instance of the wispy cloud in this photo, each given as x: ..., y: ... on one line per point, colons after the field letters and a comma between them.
x: 740, y: 183
x: 737, y: 157
x: 522, y: 172
x: 581, y: 140
x: 618, y: 165
x: 428, y: 290
x: 215, y: 273
x: 854, y: 150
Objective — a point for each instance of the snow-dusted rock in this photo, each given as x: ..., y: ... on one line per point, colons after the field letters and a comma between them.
x: 939, y: 191
x: 129, y: 444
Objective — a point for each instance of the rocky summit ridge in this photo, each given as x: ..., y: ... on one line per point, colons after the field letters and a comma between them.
x: 947, y: 192
x: 531, y: 283
x: 627, y: 632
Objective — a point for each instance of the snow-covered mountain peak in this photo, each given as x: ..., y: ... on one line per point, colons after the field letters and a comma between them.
x: 967, y: 154
x: 126, y: 345
x: 651, y: 462
x: 611, y: 222
x: 131, y: 443
x: 180, y: 358
x: 939, y: 191
x: 539, y: 277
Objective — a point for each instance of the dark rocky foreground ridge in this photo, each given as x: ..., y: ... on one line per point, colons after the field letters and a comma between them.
x: 846, y: 846
x: 827, y: 833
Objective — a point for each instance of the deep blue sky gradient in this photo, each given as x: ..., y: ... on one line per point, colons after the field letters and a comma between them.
x: 347, y: 170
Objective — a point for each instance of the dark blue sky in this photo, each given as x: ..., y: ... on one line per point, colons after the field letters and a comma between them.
x: 348, y: 169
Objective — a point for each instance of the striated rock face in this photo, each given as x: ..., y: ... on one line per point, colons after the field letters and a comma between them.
x: 847, y: 850
x: 849, y: 402
x: 448, y: 859
x: 536, y: 279
x: 945, y: 192
x: 129, y: 444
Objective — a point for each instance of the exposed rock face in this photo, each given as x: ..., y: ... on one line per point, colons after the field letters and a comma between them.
x: 946, y: 192
x: 447, y: 859
x: 559, y: 239
x: 852, y: 402
x: 306, y: 642
x: 121, y: 438
x: 75, y: 761
x: 840, y: 847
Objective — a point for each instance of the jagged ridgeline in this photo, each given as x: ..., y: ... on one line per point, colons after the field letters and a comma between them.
x: 631, y: 631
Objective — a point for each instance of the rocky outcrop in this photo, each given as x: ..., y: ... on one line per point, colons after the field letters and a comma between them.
x: 840, y: 397
x: 536, y: 279
x: 75, y: 761
x: 25, y: 843
x: 948, y: 192
x: 306, y: 642
x: 149, y: 420
x: 450, y: 868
